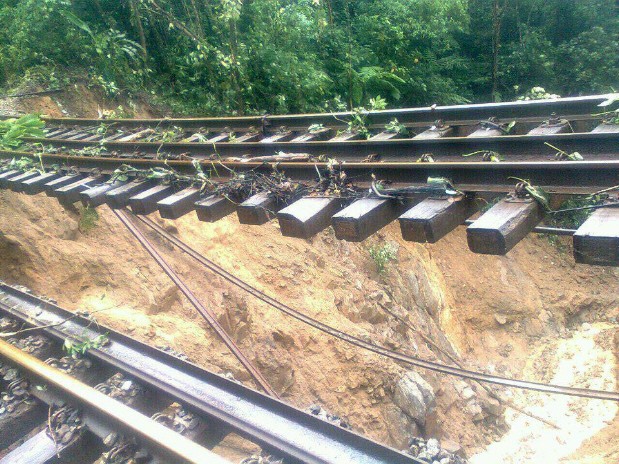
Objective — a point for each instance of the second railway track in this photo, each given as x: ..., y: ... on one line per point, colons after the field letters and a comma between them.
x: 150, y: 381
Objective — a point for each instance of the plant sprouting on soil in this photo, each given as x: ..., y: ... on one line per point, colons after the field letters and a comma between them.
x: 382, y: 255
x: 88, y: 219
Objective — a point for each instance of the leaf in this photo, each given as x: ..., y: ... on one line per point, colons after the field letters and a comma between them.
x: 612, y: 99
x: 575, y: 156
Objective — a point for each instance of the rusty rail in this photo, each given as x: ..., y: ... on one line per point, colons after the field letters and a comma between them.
x: 207, y: 314
x: 153, y: 435
x: 369, y: 346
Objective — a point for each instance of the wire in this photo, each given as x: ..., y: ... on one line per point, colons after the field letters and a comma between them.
x: 412, y: 360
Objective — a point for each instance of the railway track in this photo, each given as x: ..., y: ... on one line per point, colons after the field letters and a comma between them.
x: 309, y: 178
x: 517, y: 131
x: 113, y: 401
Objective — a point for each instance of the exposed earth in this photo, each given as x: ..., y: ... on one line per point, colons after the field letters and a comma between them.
x: 532, y: 314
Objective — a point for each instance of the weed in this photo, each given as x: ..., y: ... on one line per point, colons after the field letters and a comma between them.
x: 382, y: 255
x: 88, y: 219
x: 77, y: 349
x: 314, y: 128
x: 359, y: 118
x: 537, y: 93
x: 574, y: 216
x: 562, y: 155
x: 13, y: 130
x: 486, y: 155
x: 396, y: 127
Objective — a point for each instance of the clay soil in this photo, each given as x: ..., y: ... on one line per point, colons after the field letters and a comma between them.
x: 532, y: 314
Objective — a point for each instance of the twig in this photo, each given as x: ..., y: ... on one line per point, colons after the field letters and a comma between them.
x: 56, y: 324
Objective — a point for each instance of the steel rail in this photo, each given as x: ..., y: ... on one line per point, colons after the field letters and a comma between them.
x: 395, y: 355
x: 150, y: 433
x: 512, y: 147
x: 207, y: 314
x: 288, y: 431
x: 557, y: 177
x: 506, y: 110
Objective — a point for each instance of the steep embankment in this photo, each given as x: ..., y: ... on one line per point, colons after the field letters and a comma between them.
x: 496, y: 311
x: 532, y: 314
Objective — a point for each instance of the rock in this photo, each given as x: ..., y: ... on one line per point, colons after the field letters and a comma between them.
x: 415, y: 397
x: 381, y: 297
x: 467, y: 393
x: 500, y: 318
x: 318, y: 411
x: 164, y: 301
x: 492, y: 406
x: 430, y: 451
x: 451, y: 447
x: 372, y: 314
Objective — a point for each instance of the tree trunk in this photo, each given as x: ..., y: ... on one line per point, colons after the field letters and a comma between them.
x: 138, y: 23
x: 498, y: 10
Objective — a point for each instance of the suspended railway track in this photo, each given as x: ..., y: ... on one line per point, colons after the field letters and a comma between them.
x: 319, y: 171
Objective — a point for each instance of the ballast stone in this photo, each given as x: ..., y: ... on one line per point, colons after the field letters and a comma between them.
x: 415, y: 397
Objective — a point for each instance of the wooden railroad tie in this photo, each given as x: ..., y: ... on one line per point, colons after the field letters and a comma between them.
x: 597, y: 240
x: 433, y: 218
x: 500, y: 228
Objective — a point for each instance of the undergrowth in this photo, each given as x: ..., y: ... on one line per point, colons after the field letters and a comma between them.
x: 382, y: 255
x: 77, y: 349
x: 88, y: 219
x: 573, y: 219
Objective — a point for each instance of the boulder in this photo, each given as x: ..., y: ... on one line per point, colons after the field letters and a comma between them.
x: 415, y: 397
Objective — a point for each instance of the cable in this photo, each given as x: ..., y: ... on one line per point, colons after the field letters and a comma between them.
x: 412, y: 360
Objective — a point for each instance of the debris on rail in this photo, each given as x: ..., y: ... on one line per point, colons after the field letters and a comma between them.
x: 318, y: 411
x: 262, y: 458
x: 430, y: 451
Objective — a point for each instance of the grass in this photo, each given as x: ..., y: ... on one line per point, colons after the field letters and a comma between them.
x: 88, y: 219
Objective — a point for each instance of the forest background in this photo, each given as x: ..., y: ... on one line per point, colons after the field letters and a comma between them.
x: 215, y: 57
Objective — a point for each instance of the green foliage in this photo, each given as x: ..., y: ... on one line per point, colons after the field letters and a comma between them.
x: 577, y: 212
x: 396, y: 127
x: 359, y: 119
x: 278, y: 56
x: 12, y: 131
x: 486, y: 155
x: 562, y: 155
x: 382, y: 255
x: 537, y: 93
x: 88, y: 219
x: 78, y: 349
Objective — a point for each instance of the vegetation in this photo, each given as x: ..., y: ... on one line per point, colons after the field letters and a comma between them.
x: 382, y: 255
x: 14, y: 129
x: 276, y: 56
x: 78, y: 349
x: 88, y: 219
